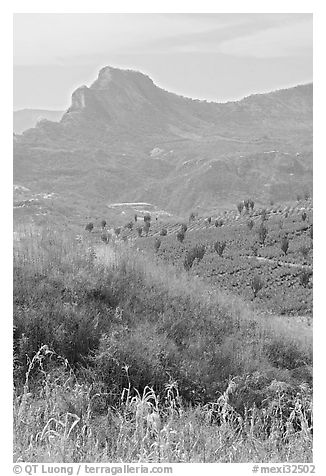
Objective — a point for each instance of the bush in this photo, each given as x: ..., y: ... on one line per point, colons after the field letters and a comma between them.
x: 256, y: 284
x: 218, y: 222
x: 250, y: 224
x: 304, y: 250
x: 304, y: 278
x: 129, y: 225
x: 105, y: 237
x: 240, y: 207
x: 89, y: 227
x: 285, y: 245
x: 262, y: 233
x: 157, y: 244
x: 180, y: 236
x: 197, y: 252
x: 219, y: 247
x: 147, y: 227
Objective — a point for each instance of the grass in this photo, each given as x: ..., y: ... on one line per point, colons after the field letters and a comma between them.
x: 155, y: 365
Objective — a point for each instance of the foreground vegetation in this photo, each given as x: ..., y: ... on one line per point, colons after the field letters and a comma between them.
x: 121, y: 358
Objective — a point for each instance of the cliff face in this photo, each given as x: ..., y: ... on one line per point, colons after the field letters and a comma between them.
x: 208, y: 153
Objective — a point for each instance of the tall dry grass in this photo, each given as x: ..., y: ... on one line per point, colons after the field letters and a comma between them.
x: 155, y: 365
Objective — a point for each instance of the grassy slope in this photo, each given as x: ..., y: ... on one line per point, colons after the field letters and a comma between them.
x: 123, y: 321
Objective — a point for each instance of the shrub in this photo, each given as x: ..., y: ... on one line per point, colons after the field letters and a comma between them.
x: 89, y: 227
x: 219, y: 247
x: 263, y: 214
x: 250, y: 224
x: 285, y: 245
x: 147, y: 227
x: 163, y: 232
x: 105, y: 237
x: 304, y: 278
x: 180, y: 236
x: 197, y: 252
x: 256, y: 284
x: 304, y: 250
x: 129, y: 225
x: 157, y: 244
x: 218, y: 222
x: 262, y: 233
x: 240, y: 207
x: 246, y: 204
x: 103, y: 223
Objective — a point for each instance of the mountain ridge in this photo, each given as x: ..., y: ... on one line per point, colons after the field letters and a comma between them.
x: 129, y: 140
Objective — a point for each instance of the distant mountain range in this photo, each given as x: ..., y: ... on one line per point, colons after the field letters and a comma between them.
x: 124, y: 139
x: 27, y: 118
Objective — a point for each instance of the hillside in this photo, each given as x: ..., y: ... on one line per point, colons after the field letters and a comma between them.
x: 24, y: 119
x: 124, y: 139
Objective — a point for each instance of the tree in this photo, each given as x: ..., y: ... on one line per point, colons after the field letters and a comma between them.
x: 250, y: 224
x: 129, y: 225
x: 218, y: 222
x: 163, y: 232
x: 103, y: 224
x: 262, y: 233
x: 304, y: 250
x: 303, y: 216
x: 285, y: 245
x: 256, y: 284
x: 157, y: 244
x: 197, y: 252
x: 192, y: 216
x: 240, y: 206
x: 219, y: 247
x: 147, y: 227
x: 89, y: 227
x: 263, y: 214
x: 135, y: 217
x: 105, y: 237
x: 304, y: 278
x: 251, y: 203
x: 246, y: 204
x: 180, y: 236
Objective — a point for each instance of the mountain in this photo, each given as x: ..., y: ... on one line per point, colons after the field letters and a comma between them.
x: 27, y: 118
x: 124, y: 139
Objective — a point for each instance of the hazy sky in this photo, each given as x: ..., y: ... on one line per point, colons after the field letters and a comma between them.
x: 216, y: 57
